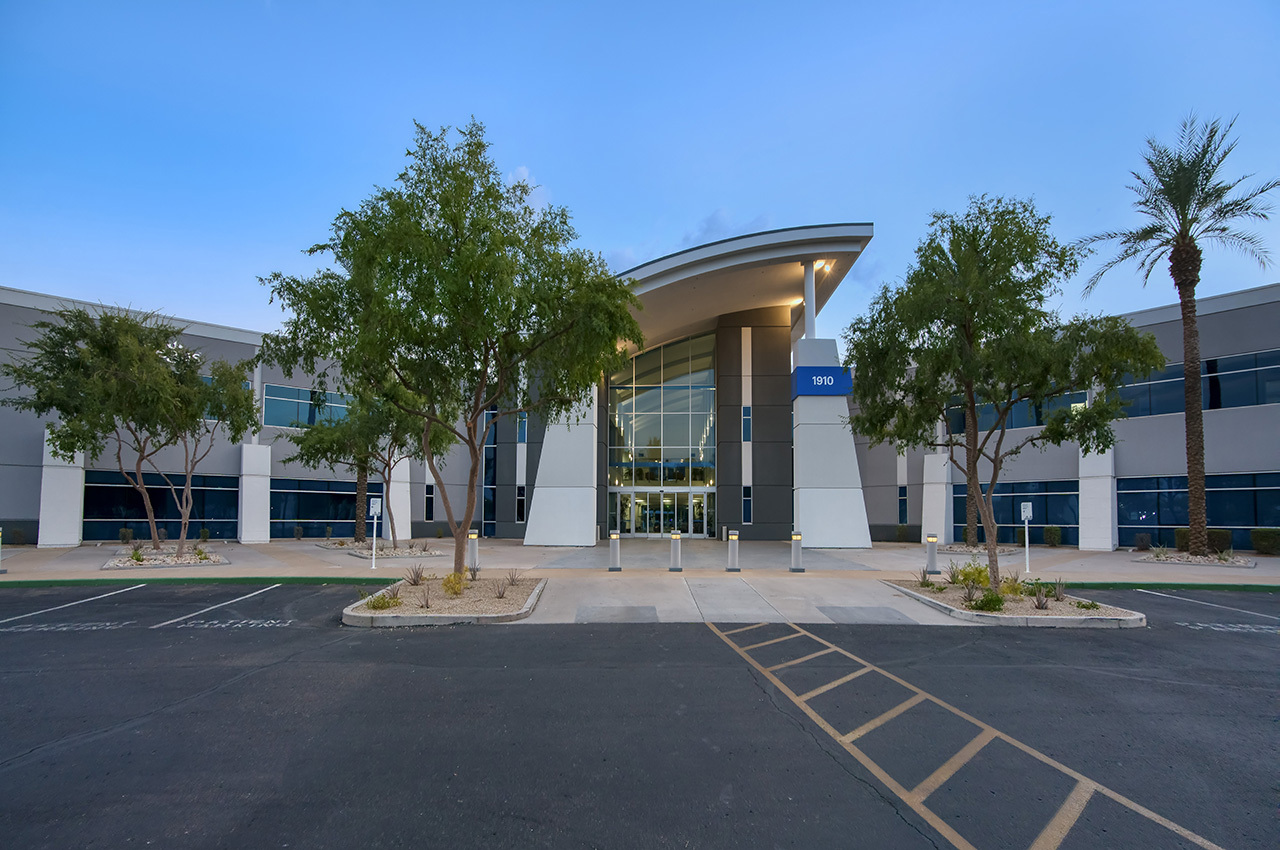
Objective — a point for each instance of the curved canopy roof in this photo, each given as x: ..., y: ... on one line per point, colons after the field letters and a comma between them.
x: 684, y: 293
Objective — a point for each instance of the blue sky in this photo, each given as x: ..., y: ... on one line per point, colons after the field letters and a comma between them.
x: 165, y: 155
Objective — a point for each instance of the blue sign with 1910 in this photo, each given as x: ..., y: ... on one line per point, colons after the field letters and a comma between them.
x: 821, y: 380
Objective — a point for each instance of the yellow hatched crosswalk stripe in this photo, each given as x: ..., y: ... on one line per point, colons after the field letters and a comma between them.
x: 1050, y: 838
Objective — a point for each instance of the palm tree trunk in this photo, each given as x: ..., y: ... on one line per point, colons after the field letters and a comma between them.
x: 1184, y: 266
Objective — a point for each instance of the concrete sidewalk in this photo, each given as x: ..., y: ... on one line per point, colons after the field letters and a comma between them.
x: 839, y: 586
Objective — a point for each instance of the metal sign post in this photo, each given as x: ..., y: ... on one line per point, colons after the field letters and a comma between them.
x: 375, y: 511
x: 1026, y: 534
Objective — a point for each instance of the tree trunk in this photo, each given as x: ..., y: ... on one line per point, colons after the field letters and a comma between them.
x: 386, y: 506
x: 141, y: 487
x: 184, y: 510
x: 971, y: 475
x: 359, y: 535
x: 468, y: 512
x: 990, y: 530
x: 1184, y: 266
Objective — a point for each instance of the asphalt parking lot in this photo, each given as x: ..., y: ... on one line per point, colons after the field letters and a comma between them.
x: 246, y: 716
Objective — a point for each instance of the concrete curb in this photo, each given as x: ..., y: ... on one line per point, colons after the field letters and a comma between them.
x: 375, y: 621
x: 1137, y: 621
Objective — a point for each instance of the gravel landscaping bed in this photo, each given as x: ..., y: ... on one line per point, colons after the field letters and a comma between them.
x: 1015, y: 606
x: 150, y: 561
x: 976, y: 551
x: 364, y: 550
x: 1198, y: 560
x: 478, y: 597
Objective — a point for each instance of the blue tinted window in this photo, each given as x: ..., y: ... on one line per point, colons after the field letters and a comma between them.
x: 1136, y: 509
x: 1231, y: 507
x: 430, y: 513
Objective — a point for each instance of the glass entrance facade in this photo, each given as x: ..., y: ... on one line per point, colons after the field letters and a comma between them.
x: 662, y: 441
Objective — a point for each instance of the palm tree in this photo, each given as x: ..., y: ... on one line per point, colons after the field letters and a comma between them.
x: 1185, y: 202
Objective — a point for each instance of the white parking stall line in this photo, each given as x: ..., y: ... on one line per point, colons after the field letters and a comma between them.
x: 69, y: 604
x: 1210, y: 604
x: 211, y: 607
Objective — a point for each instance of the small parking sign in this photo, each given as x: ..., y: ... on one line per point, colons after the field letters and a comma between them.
x: 375, y: 507
x: 1026, y: 511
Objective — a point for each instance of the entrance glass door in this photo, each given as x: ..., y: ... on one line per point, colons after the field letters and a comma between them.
x: 657, y: 513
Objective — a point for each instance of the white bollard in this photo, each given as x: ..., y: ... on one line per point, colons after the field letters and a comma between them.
x: 931, y: 562
x: 473, y: 549
x: 615, y: 553
x: 733, y: 553
x: 797, y: 564
x: 675, y: 553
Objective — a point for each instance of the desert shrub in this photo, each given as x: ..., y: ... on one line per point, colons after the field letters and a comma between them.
x: 1011, y: 586
x: 1052, y: 535
x: 991, y: 600
x: 392, y: 591
x: 136, y: 555
x: 969, y: 592
x: 500, y: 588
x: 126, y: 536
x: 201, y: 554
x: 1087, y: 604
x: 1042, y: 598
x: 1266, y: 541
x: 975, y: 573
x: 413, y: 576
x: 1020, y: 536
x: 1227, y: 555
x: 163, y: 534
x: 903, y: 534
x: 923, y: 577
x: 382, y: 601
x: 17, y: 537
x: 514, y: 576
x: 297, y: 532
x: 439, y: 533
x: 328, y: 532
x: 1219, y: 539
x: 473, y: 571
x: 1142, y: 541
x: 204, y: 534
x: 453, y: 584
x: 1160, y: 552
x: 1059, y: 590
x: 953, y: 573
x: 1182, y: 539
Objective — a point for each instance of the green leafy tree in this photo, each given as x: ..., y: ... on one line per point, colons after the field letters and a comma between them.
x: 122, y: 381
x: 374, y: 435
x: 969, y: 329
x: 474, y: 300
x: 1186, y: 201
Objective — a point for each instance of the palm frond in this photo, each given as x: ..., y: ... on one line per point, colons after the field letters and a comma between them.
x: 1184, y: 199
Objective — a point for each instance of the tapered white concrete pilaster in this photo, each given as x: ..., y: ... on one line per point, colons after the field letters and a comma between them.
x: 563, y: 512
x: 398, y: 500
x: 1098, y: 530
x: 938, y: 515
x: 830, y: 509
x: 61, y: 501
x: 810, y: 309
x: 255, y: 493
